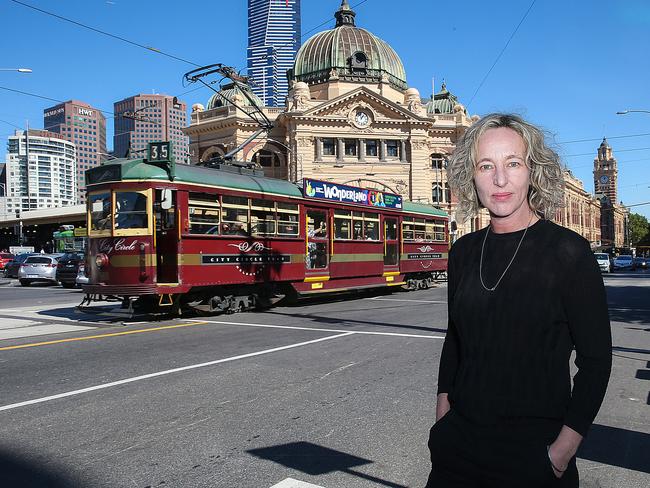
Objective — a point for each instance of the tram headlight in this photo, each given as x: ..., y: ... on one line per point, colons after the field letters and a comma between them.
x: 101, y: 260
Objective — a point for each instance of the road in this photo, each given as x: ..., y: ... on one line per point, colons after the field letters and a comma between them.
x: 331, y: 393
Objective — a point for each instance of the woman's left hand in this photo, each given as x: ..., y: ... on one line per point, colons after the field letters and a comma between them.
x: 563, y: 449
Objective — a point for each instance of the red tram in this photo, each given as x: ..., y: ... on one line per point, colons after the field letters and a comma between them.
x: 165, y: 237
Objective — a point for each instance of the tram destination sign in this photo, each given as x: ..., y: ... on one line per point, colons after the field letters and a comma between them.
x: 334, y: 192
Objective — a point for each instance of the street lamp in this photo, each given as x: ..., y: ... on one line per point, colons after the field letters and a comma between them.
x: 20, y: 70
x: 623, y: 112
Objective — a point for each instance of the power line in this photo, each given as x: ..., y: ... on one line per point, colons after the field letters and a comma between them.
x: 619, y: 162
x: 501, y: 53
x: 600, y: 139
x: 618, y: 151
x: 114, y: 36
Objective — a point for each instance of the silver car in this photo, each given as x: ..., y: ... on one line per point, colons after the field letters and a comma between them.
x: 603, y: 261
x: 81, y: 279
x: 40, y: 267
x: 624, y: 261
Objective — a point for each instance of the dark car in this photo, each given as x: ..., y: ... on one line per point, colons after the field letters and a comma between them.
x: 67, y: 269
x: 5, y: 257
x: 12, y: 267
x: 641, y: 262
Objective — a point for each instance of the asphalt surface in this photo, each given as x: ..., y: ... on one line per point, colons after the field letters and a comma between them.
x: 336, y: 393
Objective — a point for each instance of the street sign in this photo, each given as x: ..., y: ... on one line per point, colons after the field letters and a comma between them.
x: 20, y: 249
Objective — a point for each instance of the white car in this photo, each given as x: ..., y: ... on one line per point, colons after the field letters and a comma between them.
x: 603, y: 262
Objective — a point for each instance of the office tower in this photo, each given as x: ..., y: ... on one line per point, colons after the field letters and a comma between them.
x: 83, y: 125
x: 141, y: 119
x: 273, y: 41
x: 40, y: 171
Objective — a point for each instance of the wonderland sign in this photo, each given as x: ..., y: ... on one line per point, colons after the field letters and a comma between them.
x: 324, y: 190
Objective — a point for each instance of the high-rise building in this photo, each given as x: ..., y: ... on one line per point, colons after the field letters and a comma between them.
x: 83, y: 125
x: 141, y: 119
x: 273, y: 41
x: 40, y: 171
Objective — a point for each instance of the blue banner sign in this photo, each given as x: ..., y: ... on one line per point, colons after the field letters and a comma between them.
x: 335, y: 192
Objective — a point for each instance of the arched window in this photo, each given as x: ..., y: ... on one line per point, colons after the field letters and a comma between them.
x: 437, y: 161
x: 359, y: 62
x: 271, y: 163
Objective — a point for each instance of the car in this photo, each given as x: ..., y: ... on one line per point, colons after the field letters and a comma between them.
x: 67, y: 268
x: 82, y: 279
x: 5, y: 257
x: 641, y: 262
x: 12, y: 267
x: 624, y: 261
x: 603, y: 261
x: 38, y: 268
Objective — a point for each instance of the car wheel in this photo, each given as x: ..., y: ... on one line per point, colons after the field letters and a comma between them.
x: 67, y: 285
x: 25, y: 282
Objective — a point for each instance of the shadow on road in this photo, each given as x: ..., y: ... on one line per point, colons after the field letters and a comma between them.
x: 617, y: 447
x: 316, y: 460
x: 21, y: 472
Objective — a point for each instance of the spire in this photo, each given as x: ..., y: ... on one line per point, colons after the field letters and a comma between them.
x: 344, y: 15
x: 604, y: 143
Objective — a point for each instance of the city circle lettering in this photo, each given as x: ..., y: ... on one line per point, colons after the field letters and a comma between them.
x: 107, y: 247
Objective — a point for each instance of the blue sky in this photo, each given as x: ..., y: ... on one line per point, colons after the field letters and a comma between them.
x: 569, y: 68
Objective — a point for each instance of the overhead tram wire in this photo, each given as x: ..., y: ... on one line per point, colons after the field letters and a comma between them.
x: 501, y: 53
x: 600, y: 139
x: 618, y: 151
x: 99, y: 31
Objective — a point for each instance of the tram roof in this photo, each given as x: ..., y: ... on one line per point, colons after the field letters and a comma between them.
x: 139, y: 170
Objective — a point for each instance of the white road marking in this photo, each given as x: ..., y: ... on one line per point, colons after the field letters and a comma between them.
x: 291, y: 483
x: 360, y: 332
x: 404, y: 300
x: 166, y: 372
x: 38, y: 330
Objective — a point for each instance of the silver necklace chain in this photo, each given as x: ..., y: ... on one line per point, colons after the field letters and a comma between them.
x: 480, y: 269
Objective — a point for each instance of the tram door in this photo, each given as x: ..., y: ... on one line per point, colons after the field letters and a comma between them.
x: 316, y: 252
x: 391, y: 244
x: 166, y: 237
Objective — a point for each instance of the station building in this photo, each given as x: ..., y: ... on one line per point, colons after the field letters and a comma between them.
x: 350, y: 117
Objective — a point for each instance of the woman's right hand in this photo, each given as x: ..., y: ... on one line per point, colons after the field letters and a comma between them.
x: 442, y: 406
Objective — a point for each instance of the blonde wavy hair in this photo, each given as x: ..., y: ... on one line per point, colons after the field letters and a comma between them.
x: 546, y: 191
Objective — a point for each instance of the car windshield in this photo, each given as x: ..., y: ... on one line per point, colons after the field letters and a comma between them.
x: 6, y: 256
x: 602, y: 256
x: 38, y: 260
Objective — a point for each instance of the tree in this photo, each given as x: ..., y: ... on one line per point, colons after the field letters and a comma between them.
x: 639, y: 228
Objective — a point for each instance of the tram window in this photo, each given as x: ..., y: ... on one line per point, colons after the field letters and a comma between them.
x: 287, y: 216
x: 429, y: 231
x: 391, y: 229
x: 287, y: 224
x: 357, y: 229
x: 234, y: 215
x: 204, y: 220
x: 234, y: 221
x: 99, y: 205
x: 342, y: 224
x: 371, y: 230
x: 262, y: 217
x: 408, y: 229
x: 130, y: 210
x: 317, y: 224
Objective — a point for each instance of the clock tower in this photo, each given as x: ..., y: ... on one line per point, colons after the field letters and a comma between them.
x: 606, y: 172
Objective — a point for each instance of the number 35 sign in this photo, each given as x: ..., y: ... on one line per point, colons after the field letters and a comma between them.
x: 160, y: 152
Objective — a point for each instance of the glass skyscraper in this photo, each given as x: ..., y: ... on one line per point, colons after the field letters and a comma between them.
x: 273, y: 41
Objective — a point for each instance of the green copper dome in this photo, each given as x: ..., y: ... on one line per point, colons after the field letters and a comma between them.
x: 442, y: 102
x: 234, y: 93
x: 348, y: 53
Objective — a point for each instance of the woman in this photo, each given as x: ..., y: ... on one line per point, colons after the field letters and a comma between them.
x: 523, y: 293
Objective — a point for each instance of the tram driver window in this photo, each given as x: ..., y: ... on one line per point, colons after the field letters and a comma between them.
x: 99, y: 205
x: 130, y: 210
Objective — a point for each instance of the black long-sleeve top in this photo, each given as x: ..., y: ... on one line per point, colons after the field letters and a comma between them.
x: 507, y: 352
